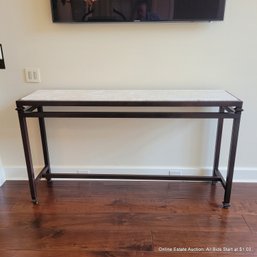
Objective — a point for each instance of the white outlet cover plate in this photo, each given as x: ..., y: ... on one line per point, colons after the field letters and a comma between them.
x: 32, y: 75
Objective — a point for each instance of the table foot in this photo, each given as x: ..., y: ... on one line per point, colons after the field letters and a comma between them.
x: 225, y: 205
x: 35, y: 202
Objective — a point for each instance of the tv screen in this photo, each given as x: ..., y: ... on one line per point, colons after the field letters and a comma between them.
x: 137, y: 10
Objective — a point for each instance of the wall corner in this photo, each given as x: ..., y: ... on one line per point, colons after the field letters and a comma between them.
x: 2, y: 176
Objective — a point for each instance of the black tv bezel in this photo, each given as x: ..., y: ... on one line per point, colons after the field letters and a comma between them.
x: 2, y: 63
x: 219, y: 18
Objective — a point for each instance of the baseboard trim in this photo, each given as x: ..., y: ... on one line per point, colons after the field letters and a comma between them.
x: 245, y: 175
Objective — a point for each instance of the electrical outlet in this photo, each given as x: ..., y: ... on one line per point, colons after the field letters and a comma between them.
x: 32, y: 75
x: 83, y: 171
x: 174, y: 173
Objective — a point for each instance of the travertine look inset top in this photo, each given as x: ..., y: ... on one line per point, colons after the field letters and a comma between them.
x: 130, y: 95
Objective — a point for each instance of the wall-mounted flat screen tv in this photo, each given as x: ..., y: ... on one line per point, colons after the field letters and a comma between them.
x: 137, y: 10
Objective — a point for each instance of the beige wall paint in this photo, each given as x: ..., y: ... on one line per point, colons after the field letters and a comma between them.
x: 218, y: 55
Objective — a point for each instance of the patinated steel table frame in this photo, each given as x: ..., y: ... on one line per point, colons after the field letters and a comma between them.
x: 225, y: 110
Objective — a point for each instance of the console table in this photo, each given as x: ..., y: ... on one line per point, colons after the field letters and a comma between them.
x: 226, y: 106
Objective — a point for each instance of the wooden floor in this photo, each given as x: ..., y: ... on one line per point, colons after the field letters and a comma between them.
x: 97, y: 219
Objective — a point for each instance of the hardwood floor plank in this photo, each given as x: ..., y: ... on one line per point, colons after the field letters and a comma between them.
x: 70, y: 238
x: 251, y: 221
x: 126, y: 222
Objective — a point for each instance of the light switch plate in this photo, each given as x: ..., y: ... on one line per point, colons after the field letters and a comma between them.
x: 2, y: 64
x: 32, y: 75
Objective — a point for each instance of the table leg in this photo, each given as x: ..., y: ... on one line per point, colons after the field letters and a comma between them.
x: 231, y: 161
x: 44, y: 143
x: 28, y: 157
x: 218, y: 144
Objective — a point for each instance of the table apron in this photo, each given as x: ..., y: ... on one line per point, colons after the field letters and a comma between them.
x: 163, y: 115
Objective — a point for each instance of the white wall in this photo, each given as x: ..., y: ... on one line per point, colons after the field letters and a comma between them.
x: 218, y: 55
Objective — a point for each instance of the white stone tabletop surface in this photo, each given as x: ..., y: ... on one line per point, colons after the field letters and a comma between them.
x: 130, y: 95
